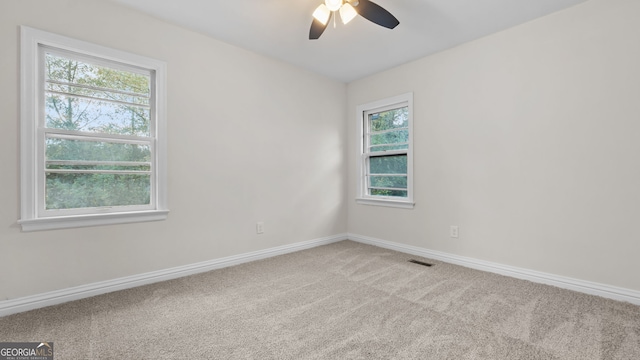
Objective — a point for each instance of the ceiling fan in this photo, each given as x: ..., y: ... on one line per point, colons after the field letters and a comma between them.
x: 348, y: 9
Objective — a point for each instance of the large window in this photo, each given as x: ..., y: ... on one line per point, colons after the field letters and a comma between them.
x: 386, y: 157
x: 93, y: 142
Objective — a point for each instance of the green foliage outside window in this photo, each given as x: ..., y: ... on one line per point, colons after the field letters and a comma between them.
x: 388, y: 131
x: 85, y: 98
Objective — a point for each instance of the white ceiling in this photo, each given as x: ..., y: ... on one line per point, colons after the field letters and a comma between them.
x: 280, y: 29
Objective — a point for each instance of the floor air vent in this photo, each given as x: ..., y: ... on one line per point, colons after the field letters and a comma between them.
x: 420, y: 263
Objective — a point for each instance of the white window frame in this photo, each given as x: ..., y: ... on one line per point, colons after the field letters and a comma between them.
x: 362, y: 196
x: 33, y: 215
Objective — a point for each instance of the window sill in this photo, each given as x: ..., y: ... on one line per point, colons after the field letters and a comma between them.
x: 76, y: 221
x: 386, y: 202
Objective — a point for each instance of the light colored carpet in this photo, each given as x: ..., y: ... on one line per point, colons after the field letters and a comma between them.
x: 341, y: 301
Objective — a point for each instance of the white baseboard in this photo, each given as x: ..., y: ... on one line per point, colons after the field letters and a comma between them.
x: 13, y: 306
x: 586, y: 287
x: 8, y: 307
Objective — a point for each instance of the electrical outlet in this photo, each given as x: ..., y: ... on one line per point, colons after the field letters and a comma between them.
x: 453, y: 231
x: 259, y: 227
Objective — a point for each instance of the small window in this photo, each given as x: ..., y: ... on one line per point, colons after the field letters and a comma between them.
x: 93, y: 139
x: 386, y: 159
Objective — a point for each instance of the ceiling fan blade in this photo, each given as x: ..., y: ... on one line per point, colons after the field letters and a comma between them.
x: 376, y: 14
x: 317, y: 28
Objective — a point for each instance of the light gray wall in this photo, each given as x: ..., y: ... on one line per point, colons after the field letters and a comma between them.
x: 529, y: 140
x: 250, y: 139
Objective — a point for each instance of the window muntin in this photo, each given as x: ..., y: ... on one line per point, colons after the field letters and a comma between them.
x: 386, y: 152
x: 93, y: 148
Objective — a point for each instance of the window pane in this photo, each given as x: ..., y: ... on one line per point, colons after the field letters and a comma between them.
x: 389, y: 164
x: 399, y: 182
x: 93, y: 115
x: 390, y: 119
x: 379, y: 148
x: 63, y: 149
x: 98, y: 93
x: 396, y: 193
x: 63, y: 69
x: 85, y: 97
x: 391, y: 137
x: 73, y: 191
